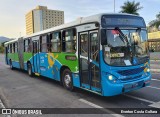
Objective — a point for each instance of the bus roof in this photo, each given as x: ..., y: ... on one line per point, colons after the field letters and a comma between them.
x: 82, y: 20
x: 12, y: 41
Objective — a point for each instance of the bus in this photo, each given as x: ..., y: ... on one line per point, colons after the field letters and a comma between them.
x: 106, y: 54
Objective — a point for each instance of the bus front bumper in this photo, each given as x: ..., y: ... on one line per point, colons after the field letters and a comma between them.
x: 111, y: 89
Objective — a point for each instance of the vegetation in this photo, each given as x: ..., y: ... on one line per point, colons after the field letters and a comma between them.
x: 131, y: 7
x: 1, y: 49
x: 156, y: 22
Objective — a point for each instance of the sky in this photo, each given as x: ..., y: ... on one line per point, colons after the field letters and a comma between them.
x: 12, y: 12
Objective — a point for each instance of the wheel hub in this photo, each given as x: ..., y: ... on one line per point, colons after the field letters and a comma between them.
x: 67, y: 80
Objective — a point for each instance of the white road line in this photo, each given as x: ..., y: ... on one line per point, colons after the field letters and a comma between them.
x: 155, y: 79
x: 155, y: 105
x: 141, y: 99
x: 153, y: 87
x: 100, y: 107
x: 90, y: 103
x: 1, y: 104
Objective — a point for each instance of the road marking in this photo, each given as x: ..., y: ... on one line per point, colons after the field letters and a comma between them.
x: 1, y: 104
x: 153, y: 87
x: 100, y: 107
x: 90, y: 103
x: 141, y: 99
x: 155, y: 105
x: 155, y: 79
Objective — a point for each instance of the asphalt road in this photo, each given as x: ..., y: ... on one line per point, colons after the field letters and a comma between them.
x: 18, y: 90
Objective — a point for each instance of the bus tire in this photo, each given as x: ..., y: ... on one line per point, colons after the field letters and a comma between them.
x: 10, y: 64
x: 29, y: 69
x: 67, y: 79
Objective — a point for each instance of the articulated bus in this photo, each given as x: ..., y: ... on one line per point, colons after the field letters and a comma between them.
x: 106, y: 54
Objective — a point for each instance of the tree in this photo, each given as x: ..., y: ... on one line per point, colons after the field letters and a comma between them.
x: 131, y: 7
x: 1, y: 49
x: 156, y: 22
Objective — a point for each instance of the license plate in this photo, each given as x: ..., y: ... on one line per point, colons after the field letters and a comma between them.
x: 134, y: 85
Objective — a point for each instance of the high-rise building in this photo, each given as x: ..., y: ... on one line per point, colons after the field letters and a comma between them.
x: 42, y: 18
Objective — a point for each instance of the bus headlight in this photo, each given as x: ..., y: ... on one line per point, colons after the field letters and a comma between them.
x: 112, y: 78
x: 148, y: 70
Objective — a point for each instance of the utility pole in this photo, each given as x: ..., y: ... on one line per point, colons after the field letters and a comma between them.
x: 114, y: 6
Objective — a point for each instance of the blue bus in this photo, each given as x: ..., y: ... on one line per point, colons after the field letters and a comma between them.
x: 106, y: 54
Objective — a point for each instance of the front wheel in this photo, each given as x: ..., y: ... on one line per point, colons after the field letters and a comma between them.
x: 30, y: 73
x: 67, y: 79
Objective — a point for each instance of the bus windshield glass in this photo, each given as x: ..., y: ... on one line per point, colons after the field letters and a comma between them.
x: 126, y: 47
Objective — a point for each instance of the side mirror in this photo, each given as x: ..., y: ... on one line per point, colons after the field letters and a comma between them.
x: 103, y: 37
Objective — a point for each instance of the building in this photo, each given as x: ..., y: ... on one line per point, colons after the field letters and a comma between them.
x: 42, y: 18
x: 154, y: 41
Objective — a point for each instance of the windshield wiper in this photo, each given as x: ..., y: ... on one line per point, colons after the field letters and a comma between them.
x: 123, y: 37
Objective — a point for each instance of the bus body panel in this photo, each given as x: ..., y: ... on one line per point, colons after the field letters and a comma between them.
x: 121, y: 86
x: 50, y: 64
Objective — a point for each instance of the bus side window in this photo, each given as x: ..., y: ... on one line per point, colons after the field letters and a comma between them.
x: 43, y: 43
x: 8, y: 48
x: 11, y: 48
x: 26, y: 45
x: 16, y: 47
x: 69, y: 40
x: 56, y: 42
x: 29, y: 48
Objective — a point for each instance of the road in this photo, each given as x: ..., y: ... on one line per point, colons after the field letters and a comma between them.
x: 18, y: 90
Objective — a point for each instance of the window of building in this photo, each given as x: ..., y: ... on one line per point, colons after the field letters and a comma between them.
x: 56, y: 42
x: 69, y: 40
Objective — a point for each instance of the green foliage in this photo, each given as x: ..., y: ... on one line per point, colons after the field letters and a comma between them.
x: 1, y: 49
x: 131, y: 7
x: 156, y: 22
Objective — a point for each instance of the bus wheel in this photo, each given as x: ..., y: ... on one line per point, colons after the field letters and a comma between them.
x: 10, y: 64
x: 29, y: 67
x: 67, y: 79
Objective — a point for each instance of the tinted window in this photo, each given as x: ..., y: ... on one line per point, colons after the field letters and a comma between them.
x: 44, y: 43
x: 56, y: 42
x: 69, y: 41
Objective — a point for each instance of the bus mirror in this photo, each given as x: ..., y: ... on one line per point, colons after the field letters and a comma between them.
x: 103, y: 37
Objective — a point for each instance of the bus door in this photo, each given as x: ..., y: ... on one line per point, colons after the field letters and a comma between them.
x: 36, y: 56
x: 89, y: 61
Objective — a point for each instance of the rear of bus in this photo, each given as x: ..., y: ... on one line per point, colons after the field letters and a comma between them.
x: 125, y: 64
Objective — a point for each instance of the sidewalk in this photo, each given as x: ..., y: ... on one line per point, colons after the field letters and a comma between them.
x: 155, y: 66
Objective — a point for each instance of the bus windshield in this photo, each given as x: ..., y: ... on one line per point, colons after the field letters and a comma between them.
x: 126, y: 47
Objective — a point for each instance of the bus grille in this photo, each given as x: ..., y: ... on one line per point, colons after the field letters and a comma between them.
x: 131, y: 71
x: 131, y: 78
